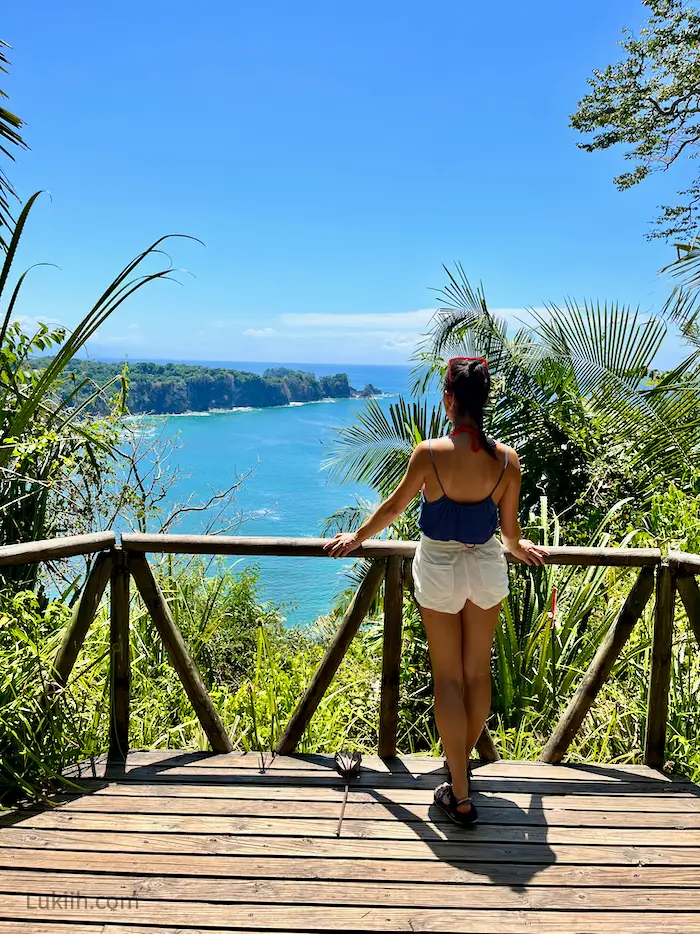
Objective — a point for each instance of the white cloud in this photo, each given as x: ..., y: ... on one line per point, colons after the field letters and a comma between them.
x: 30, y: 323
x: 259, y: 332
x: 413, y: 323
x: 401, y: 341
x: 384, y: 321
x: 131, y: 338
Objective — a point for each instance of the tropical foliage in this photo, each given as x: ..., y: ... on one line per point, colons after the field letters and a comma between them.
x: 574, y: 392
x: 10, y: 138
x: 54, y: 460
x: 649, y: 103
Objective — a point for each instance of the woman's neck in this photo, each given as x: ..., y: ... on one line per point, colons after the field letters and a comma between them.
x: 463, y: 421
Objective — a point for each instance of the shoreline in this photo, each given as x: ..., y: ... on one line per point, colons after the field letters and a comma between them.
x: 251, y: 408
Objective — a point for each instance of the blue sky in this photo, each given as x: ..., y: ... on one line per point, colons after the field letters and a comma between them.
x: 331, y: 157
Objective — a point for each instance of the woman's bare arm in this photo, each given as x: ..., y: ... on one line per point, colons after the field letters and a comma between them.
x: 508, y: 506
x: 390, y: 509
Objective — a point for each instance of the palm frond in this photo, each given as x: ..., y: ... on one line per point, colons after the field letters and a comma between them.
x: 375, y: 449
x: 683, y: 303
x: 10, y: 125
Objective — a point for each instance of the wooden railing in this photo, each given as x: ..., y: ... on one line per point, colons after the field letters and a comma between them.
x: 390, y: 565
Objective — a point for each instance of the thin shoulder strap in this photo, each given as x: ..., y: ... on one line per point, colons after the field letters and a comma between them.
x: 432, y: 460
x: 500, y: 476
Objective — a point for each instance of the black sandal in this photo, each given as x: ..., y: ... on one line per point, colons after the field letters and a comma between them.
x: 444, y: 799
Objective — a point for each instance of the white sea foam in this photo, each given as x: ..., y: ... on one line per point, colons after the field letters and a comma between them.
x: 246, y: 408
x: 270, y: 514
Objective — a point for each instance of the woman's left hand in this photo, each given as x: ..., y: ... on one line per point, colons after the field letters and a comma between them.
x: 342, y: 544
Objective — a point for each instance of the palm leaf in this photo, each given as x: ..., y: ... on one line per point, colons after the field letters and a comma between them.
x: 10, y: 125
x: 375, y: 449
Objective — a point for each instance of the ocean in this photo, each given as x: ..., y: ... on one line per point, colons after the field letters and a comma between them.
x: 289, y: 493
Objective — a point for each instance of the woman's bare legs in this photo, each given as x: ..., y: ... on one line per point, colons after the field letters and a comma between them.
x: 478, y: 630
x: 445, y: 641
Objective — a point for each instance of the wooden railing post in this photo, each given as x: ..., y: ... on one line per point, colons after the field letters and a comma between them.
x: 599, y: 669
x: 179, y: 655
x: 486, y: 747
x: 657, y: 699
x: 335, y: 653
x: 120, y: 662
x: 391, y: 657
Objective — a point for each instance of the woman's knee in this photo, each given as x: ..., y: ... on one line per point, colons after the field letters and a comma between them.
x: 476, y: 677
x: 449, y: 685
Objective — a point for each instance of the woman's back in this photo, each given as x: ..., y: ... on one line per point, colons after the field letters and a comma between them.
x: 464, y: 471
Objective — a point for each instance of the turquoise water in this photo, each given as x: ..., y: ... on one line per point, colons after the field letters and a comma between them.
x: 289, y: 493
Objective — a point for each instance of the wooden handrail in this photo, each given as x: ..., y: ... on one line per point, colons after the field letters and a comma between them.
x: 373, y: 548
x: 72, y: 545
x: 53, y: 548
x: 240, y: 545
x: 681, y: 561
x: 390, y: 563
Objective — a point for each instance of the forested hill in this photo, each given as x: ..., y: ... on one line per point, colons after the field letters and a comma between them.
x: 171, y: 388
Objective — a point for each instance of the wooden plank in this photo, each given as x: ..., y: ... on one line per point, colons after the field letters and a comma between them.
x: 57, y: 927
x: 89, y: 768
x: 146, y: 889
x: 490, y: 813
x: 372, y: 548
x: 414, y: 765
x: 690, y: 595
x: 355, y: 829
x: 82, y: 617
x: 600, y: 668
x: 464, y: 848
x: 330, y: 663
x: 151, y: 776
x: 258, y: 545
x: 51, y: 549
x: 497, y: 922
x: 657, y: 698
x: 682, y: 561
x: 179, y: 655
x: 169, y: 797
x: 319, y: 918
x: 120, y: 659
x: 391, y: 657
x: 50, y: 927
x: 281, y: 867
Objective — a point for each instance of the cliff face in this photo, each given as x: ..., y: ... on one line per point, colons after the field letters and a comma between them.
x: 171, y: 389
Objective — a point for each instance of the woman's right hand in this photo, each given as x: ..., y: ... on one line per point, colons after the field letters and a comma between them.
x: 342, y: 544
x: 527, y: 552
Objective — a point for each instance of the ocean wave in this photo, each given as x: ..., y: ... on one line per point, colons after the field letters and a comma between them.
x: 270, y: 514
x: 144, y: 416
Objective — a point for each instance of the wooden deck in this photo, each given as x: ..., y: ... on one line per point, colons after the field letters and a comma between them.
x: 198, y: 843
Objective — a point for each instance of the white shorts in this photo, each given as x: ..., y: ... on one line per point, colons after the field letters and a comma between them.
x: 447, y: 574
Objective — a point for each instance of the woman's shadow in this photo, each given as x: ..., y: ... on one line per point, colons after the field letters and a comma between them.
x: 508, y: 845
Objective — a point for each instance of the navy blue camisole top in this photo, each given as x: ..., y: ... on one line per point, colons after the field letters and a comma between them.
x: 446, y: 520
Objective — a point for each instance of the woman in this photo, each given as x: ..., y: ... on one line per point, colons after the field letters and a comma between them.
x: 468, y: 483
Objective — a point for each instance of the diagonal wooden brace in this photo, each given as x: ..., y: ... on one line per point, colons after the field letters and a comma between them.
x: 600, y: 668
x: 330, y: 663
x: 83, y: 615
x: 177, y: 650
x: 690, y: 595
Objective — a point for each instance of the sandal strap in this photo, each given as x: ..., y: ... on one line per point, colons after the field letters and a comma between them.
x: 466, y: 800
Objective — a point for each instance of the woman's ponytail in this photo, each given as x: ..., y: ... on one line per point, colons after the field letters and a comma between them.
x: 469, y: 381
